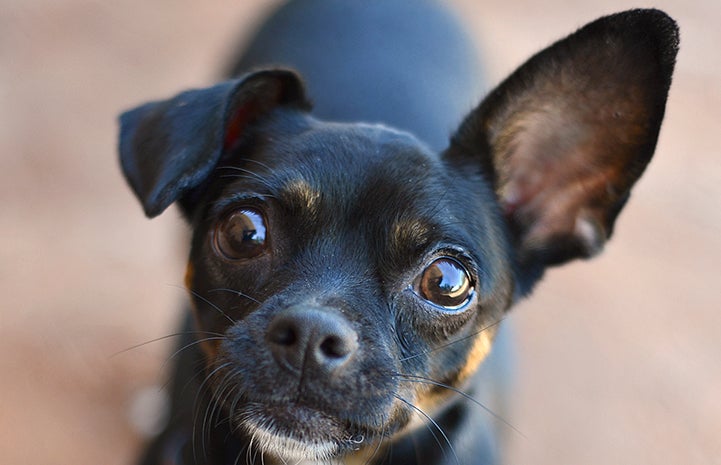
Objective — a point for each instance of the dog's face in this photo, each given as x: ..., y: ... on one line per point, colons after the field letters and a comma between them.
x: 334, y: 259
x: 347, y: 280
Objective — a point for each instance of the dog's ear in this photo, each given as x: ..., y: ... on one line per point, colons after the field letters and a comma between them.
x: 169, y: 147
x: 565, y: 137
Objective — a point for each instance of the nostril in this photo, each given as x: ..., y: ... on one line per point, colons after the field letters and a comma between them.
x: 335, y: 347
x: 311, y: 337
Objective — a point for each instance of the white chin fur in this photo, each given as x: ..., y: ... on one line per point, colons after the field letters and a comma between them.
x: 289, y: 449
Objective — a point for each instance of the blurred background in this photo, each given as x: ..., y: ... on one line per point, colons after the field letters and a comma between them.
x: 619, y: 358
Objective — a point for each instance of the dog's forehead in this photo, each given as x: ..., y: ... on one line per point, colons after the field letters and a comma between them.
x: 343, y: 178
x: 356, y: 148
x: 342, y: 165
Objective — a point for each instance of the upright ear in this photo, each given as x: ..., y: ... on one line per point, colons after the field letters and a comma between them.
x: 566, y: 136
x: 169, y: 147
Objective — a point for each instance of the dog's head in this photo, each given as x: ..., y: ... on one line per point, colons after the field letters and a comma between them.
x: 343, y: 273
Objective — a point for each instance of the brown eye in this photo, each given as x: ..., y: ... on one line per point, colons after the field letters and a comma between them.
x: 445, y: 283
x: 239, y: 235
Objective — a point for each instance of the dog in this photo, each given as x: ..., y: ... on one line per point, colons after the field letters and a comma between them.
x: 352, y: 259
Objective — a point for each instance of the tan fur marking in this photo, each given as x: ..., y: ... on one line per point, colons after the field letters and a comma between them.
x: 481, y: 348
x: 189, y: 275
x: 305, y: 193
x: 428, y: 400
x: 210, y: 348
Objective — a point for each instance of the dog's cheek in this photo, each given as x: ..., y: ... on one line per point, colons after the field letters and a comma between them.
x: 209, y: 347
x: 478, y: 353
x: 434, y: 396
x: 189, y: 275
x: 222, y: 290
x: 212, y: 311
x: 418, y: 341
x: 445, y: 349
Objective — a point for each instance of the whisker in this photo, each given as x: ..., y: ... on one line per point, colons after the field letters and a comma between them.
x: 258, y: 162
x: 237, y: 458
x: 434, y: 423
x: 204, y: 300
x: 424, y: 380
x: 195, y: 402
x: 212, y: 305
x: 250, y: 175
x: 191, y: 344
x: 265, y: 184
x: 161, y: 338
x: 236, y: 292
x: 455, y: 341
x: 233, y: 406
x: 216, y: 404
x: 378, y: 448
x: 249, y: 451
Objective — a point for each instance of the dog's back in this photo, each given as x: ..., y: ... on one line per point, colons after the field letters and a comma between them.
x: 406, y: 64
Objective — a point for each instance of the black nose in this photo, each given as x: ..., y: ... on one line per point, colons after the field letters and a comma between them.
x: 302, y: 338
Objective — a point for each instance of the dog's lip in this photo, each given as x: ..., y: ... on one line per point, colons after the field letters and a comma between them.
x: 296, y: 432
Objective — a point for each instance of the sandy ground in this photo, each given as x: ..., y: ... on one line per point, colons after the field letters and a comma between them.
x: 619, y: 358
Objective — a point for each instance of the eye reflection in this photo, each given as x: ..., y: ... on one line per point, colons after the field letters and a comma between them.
x: 240, y: 235
x: 445, y: 283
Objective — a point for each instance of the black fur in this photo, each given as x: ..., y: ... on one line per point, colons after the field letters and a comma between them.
x: 348, y: 278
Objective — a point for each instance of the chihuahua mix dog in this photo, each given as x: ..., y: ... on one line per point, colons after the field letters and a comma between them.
x: 352, y: 259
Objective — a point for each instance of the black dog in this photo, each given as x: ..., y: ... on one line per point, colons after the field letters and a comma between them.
x: 348, y: 278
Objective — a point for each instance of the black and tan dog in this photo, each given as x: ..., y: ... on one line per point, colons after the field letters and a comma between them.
x: 350, y: 265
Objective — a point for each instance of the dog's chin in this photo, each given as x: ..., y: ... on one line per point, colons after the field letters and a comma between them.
x: 295, y: 434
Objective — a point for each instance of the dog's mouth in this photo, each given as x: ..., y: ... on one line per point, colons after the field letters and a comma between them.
x: 294, y: 432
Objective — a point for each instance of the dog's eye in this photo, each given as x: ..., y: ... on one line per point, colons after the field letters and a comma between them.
x: 241, y: 234
x: 445, y: 283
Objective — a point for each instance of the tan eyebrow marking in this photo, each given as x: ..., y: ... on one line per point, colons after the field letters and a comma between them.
x: 409, y: 231
x: 301, y: 192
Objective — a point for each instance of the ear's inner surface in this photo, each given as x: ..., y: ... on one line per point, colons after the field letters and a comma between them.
x: 566, y: 136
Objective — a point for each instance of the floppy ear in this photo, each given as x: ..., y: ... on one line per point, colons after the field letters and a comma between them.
x: 169, y: 147
x: 565, y: 137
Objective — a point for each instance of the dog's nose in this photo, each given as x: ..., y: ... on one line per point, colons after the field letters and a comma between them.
x: 311, y: 338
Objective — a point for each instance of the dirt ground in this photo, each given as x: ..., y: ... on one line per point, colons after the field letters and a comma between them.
x: 619, y: 358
